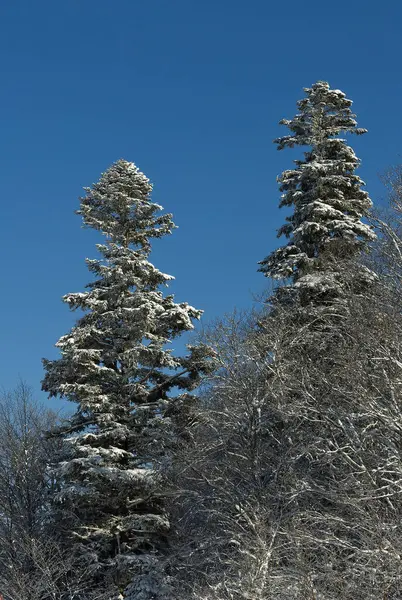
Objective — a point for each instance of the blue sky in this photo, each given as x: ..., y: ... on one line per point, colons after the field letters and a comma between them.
x: 190, y: 91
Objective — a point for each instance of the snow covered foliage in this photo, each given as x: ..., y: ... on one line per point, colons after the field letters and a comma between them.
x: 292, y: 488
x: 129, y: 387
x: 326, y: 195
x: 150, y: 581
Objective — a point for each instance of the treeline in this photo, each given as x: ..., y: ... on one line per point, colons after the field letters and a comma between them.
x: 265, y: 463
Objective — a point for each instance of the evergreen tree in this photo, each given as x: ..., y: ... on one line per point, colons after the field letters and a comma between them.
x: 131, y: 391
x: 328, y: 201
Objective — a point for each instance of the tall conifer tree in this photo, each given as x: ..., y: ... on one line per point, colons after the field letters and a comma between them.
x: 128, y: 388
x: 326, y: 195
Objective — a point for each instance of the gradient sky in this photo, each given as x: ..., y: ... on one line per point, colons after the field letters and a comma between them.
x: 192, y: 93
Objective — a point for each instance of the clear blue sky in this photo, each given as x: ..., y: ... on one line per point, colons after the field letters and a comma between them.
x: 192, y: 92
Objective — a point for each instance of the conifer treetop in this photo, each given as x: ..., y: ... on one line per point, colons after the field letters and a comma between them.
x: 326, y: 194
x: 119, y: 205
x: 323, y: 113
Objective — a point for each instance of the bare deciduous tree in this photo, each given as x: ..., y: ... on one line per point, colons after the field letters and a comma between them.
x: 293, y: 485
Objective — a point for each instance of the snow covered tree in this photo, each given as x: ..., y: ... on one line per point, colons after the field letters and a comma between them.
x: 131, y: 390
x: 325, y: 227
x: 292, y: 486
